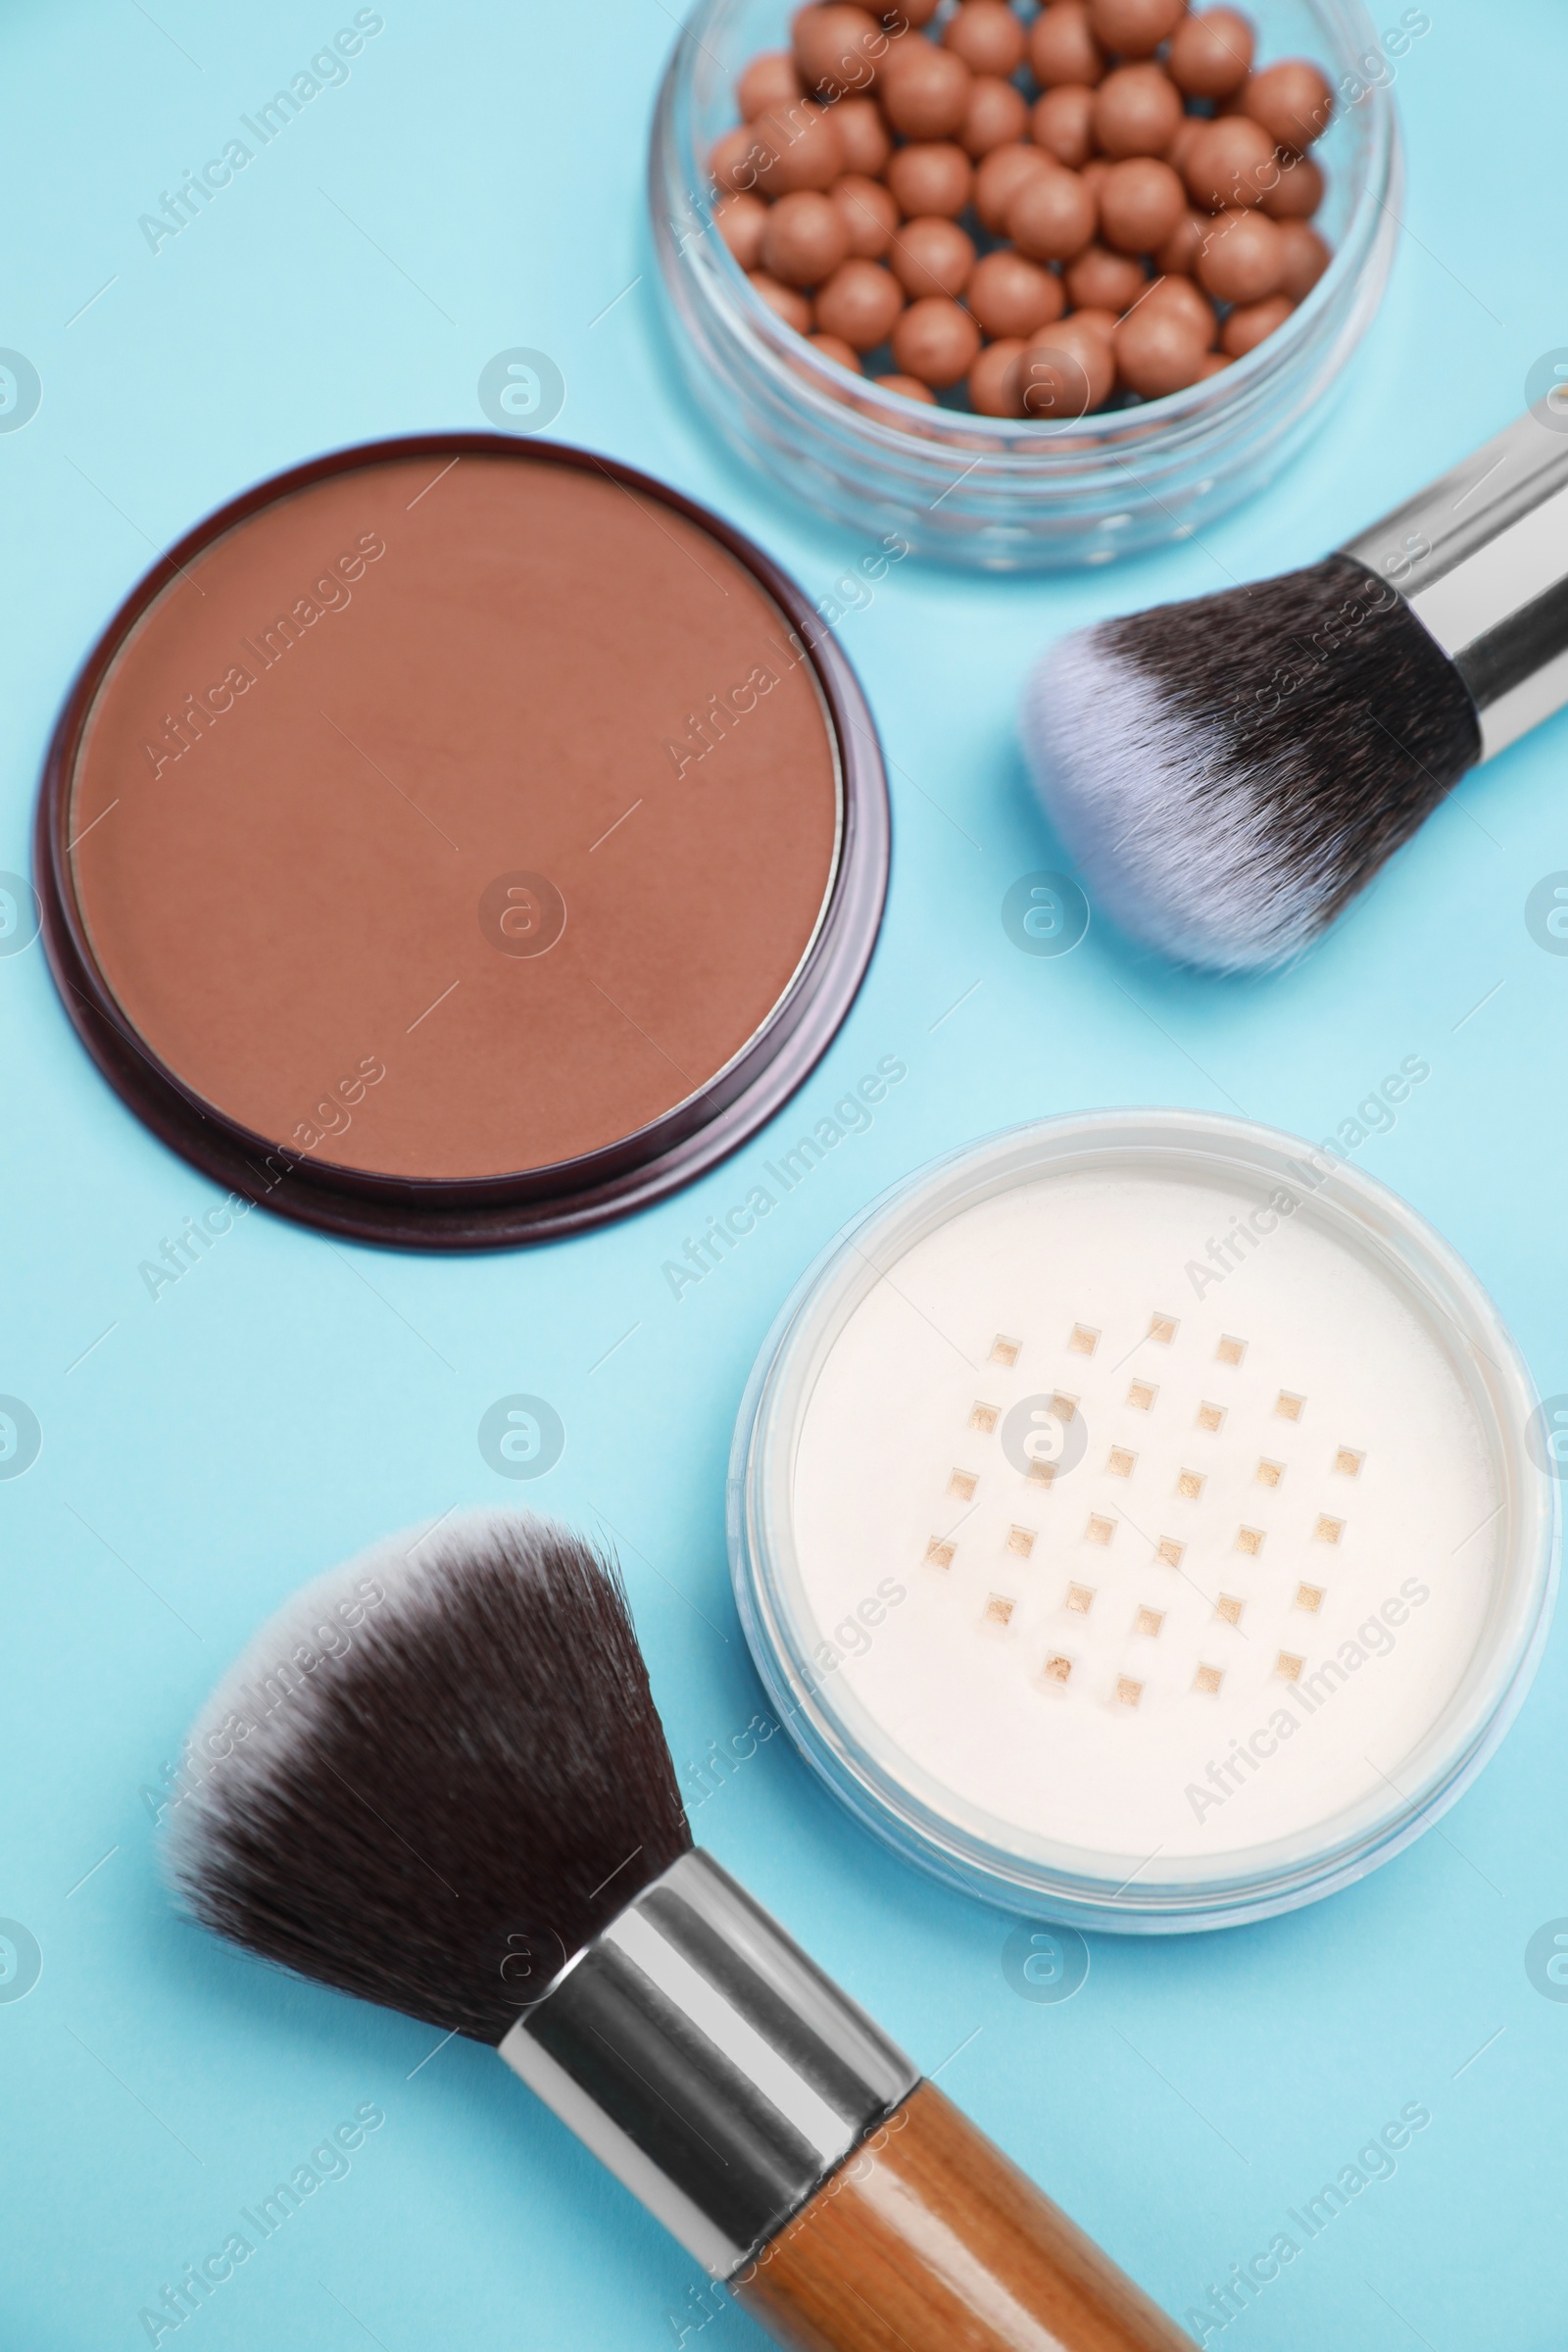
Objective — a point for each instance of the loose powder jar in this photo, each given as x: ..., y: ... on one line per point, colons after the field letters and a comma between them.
x: 1134, y: 1520
x: 461, y: 840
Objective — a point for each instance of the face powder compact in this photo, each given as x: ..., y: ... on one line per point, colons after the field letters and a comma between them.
x: 1133, y: 1519
x: 461, y: 840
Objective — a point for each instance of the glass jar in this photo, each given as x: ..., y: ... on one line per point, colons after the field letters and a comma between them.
x: 993, y: 492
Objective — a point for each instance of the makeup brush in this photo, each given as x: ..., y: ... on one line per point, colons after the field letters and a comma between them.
x: 437, y: 1780
x: 1228, y: 773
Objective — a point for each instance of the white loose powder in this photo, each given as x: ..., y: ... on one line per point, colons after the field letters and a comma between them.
x: 1238, y: 1612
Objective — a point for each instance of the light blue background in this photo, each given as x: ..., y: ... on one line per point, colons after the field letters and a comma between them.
x: 291, y: 1399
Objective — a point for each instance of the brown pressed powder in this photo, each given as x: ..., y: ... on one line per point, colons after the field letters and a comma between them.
x: 446, y: 818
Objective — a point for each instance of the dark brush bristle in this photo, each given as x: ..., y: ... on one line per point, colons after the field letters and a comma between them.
x: 1228, y: 773
x: 468, y: 1783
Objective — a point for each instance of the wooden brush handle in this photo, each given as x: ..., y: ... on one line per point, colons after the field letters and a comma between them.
x: 929, y: 2239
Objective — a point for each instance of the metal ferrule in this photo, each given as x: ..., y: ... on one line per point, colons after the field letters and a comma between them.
x: 715, y: 2070
x: 1481, y: 558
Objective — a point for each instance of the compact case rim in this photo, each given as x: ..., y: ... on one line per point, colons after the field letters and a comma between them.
x: 1253, y: 1884
x: 535, y: 1204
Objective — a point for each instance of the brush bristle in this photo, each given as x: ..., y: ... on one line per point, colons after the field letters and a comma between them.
x: 1228, y: 773
x: 435, y: 1775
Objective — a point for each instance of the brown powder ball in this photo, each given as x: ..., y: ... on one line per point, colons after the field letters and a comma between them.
x: 1062, y: 124
x: 907, y: 387
x: 1134, y: 28
x: 930, y: 175
x: 1230, y: 163
x: 932, y: 256
x: 1300, y: 190
x: 924, y: 91
x: 1012, y: 296
x: 1252, y: 323
x: 1062, y: 47
x: 736, y: 159
x: 1178, y: 255
x: 768, y: 81
x: 871, y: 214
x: 1306, y: 257
x: 792, y: 307
x: 1052, y: 217
x: 1176, y: 154
x: 741, y: 220
x: 1179, y: 294
x: 997, y: 113
x: 1102, y: 280
x: 936, y: 341
x: 805, y: 238
x: 1136, y: 112
x: 834, y: 347
x: 1243, y: 259
x: 862, y: 135
x: 861, y: 302
x: 994, y: 387
x: 1140, y: 202
x: 1066, y: 371
x: 1156, y: 351
x: 802, y: 148
x: 1292, y: 101
x: 988, y: 36
x: 1212, y: 55
x: 836, y: 50
x: 1103, y: 324
x: 1000, y: 176
x: 1105, y: 170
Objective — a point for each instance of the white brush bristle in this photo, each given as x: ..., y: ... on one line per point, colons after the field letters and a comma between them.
x: 1228, y: 773
x: 276, y: 1694
x: 431, y: 1764
x: 1166, y: 831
